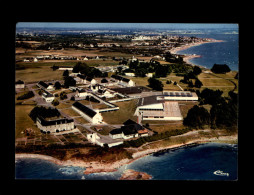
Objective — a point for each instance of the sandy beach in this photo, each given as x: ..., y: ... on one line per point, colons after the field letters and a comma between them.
x: 96, y: 167
x: 186, y: 57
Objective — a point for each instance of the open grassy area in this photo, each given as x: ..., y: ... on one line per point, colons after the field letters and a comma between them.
x: 222, y: 82
x: 70, y: 112
x: 23, y: 121
x: 125, y: 112
x: 36, y: 74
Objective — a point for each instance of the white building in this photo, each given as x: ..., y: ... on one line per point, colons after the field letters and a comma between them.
x: 48, y: 97
x: 45, y: 86
x: 82, y: 79
x: 54, y: 126
x: 130, y: 129
x: 149, y: 74
x: 19, y: 84
x: 94, y: 138
x: 81, y: 93
x: 89, y: 114
x: 179, y: 96
x: 130, y: 74
x: 65, y: 68
x: 123, y: 81
x: 155, y: 108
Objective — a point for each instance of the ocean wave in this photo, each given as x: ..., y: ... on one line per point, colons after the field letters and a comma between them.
x: 70, y: 170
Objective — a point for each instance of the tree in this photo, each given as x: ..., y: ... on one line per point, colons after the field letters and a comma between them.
x: 63, y: 95
x: 161, y: 71
x: 57, y: 85
x: 198, y: 83
x: 220, y: 68
x: 196, y: 70
x: 155, y: 84
x: 225, y: 113
x: 54, y: 67
x: 168, y: 82
x: 81, y: 67
x: 66, y: 73
x: 104, y: 80
x: 209, y: 96
x: 69, y: 81
x: 55, y: 102
x: 141, y: 72
x: 197, y: 117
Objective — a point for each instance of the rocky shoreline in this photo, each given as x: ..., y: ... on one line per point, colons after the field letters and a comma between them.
x: 97, y: 167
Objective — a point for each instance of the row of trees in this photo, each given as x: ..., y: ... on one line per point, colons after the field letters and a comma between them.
x: 27, y: 95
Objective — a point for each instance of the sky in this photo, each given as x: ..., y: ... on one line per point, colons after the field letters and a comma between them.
x: 125, y: 25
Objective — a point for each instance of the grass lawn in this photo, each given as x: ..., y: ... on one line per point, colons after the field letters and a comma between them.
x: 36, y: 74
x: 23, y: 121
x: 219, y: 81
x: 140, y: 81
x: 81, y: 120
x: 70, y: 112
x: 125, y: 112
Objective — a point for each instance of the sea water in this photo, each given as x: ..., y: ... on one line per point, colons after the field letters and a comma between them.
x: 187, y: 163
x: 226, y: 52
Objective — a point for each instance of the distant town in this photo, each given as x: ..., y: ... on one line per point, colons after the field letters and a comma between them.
x: 77, y: 91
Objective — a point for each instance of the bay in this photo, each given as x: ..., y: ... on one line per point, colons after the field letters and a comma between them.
x: 226, y: 52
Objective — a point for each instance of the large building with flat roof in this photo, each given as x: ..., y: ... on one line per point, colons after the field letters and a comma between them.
x: 179, y: 96
x: 156, y: 108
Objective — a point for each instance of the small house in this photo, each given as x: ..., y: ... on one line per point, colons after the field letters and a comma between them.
x: 19, y: 84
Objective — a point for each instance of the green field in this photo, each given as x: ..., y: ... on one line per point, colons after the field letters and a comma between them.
x: 125, y: 112
x: 23, y: 121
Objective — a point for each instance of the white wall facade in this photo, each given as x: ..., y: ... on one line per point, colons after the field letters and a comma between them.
x: 54, y: 128
x: 97, y: 118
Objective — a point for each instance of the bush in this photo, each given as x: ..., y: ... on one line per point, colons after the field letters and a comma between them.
x: 55, y: 102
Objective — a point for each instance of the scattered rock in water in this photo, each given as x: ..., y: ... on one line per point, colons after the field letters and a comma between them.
x: 130, y: 174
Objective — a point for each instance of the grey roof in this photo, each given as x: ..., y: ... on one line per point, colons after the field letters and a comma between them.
x: 91, y: 113
x: 19, y: 82
x: 115, y: 131
x: 48, y: 94
x: 54, y: 122
x: 149, y: 100
x: 120, y: 78
x: 45, y: 85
